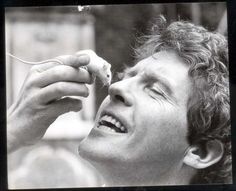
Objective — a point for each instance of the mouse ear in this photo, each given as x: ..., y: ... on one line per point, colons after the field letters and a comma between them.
x: 105, y: 66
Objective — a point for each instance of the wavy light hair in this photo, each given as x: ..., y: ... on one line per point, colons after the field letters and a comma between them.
x: 208, y: 108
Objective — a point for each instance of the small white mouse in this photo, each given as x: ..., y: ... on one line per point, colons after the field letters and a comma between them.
x: 98, y: 66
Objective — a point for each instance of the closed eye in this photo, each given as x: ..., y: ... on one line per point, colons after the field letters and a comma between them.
x: 154, y: 92
x: 158, y: 94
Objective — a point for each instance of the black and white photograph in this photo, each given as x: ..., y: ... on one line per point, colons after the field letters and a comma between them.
x: 121, y: 95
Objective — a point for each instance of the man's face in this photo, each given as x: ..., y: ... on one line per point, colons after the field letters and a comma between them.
x: 142, y: 124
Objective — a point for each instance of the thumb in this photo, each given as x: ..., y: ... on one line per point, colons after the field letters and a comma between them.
x: 65, y: 105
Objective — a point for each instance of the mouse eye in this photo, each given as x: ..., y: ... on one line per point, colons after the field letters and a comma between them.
x: 108, y: 75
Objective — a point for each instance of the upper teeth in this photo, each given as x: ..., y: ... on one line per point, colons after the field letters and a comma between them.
x: 113, y: 121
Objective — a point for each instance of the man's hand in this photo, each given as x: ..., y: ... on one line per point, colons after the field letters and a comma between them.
x: 42, y: 99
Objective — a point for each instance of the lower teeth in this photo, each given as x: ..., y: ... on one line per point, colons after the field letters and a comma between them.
x: 106, y: 128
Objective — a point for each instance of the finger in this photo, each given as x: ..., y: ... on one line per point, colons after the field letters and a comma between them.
x: 60, y: 89
x: 65, y: 105
x: 69, y: 60
x: 63, y: 73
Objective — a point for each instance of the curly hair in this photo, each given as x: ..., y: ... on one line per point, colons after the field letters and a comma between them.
x: 208, y: 107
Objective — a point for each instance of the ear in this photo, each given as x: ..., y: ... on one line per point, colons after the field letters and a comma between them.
x: 213, y: 153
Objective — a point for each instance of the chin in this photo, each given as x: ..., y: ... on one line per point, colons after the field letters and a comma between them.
x: 101, y: 150
x: 90, y: 150
x: 86, y: 149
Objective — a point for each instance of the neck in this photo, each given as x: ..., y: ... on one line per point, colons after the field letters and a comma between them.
x: 122, y: 176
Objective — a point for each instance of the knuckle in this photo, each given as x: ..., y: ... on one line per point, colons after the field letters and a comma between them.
x: 58, y: 72
x: 32, y: 81
x: 33, y: 69
x: 62, y: 71
x: 66, y: 59
x: 60, y: 87
x: 36, y: 98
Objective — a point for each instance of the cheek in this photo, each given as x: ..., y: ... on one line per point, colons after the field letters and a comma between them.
x: 161, y: 133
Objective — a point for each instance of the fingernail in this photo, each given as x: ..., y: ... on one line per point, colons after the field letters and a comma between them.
x: 84, y: 59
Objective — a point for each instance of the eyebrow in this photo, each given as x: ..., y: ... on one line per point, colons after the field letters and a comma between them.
x: 130, y: 71
x: 150, y: 75
x: 163, y: 81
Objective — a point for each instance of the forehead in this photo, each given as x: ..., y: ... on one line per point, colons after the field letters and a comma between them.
x: 161, y: 61
x: 167, y: 66
x: 165, y: 63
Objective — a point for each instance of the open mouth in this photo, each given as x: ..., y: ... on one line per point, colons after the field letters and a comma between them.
x: 111, y: 124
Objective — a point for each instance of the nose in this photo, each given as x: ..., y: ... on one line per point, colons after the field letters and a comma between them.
x: 120, y: 92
